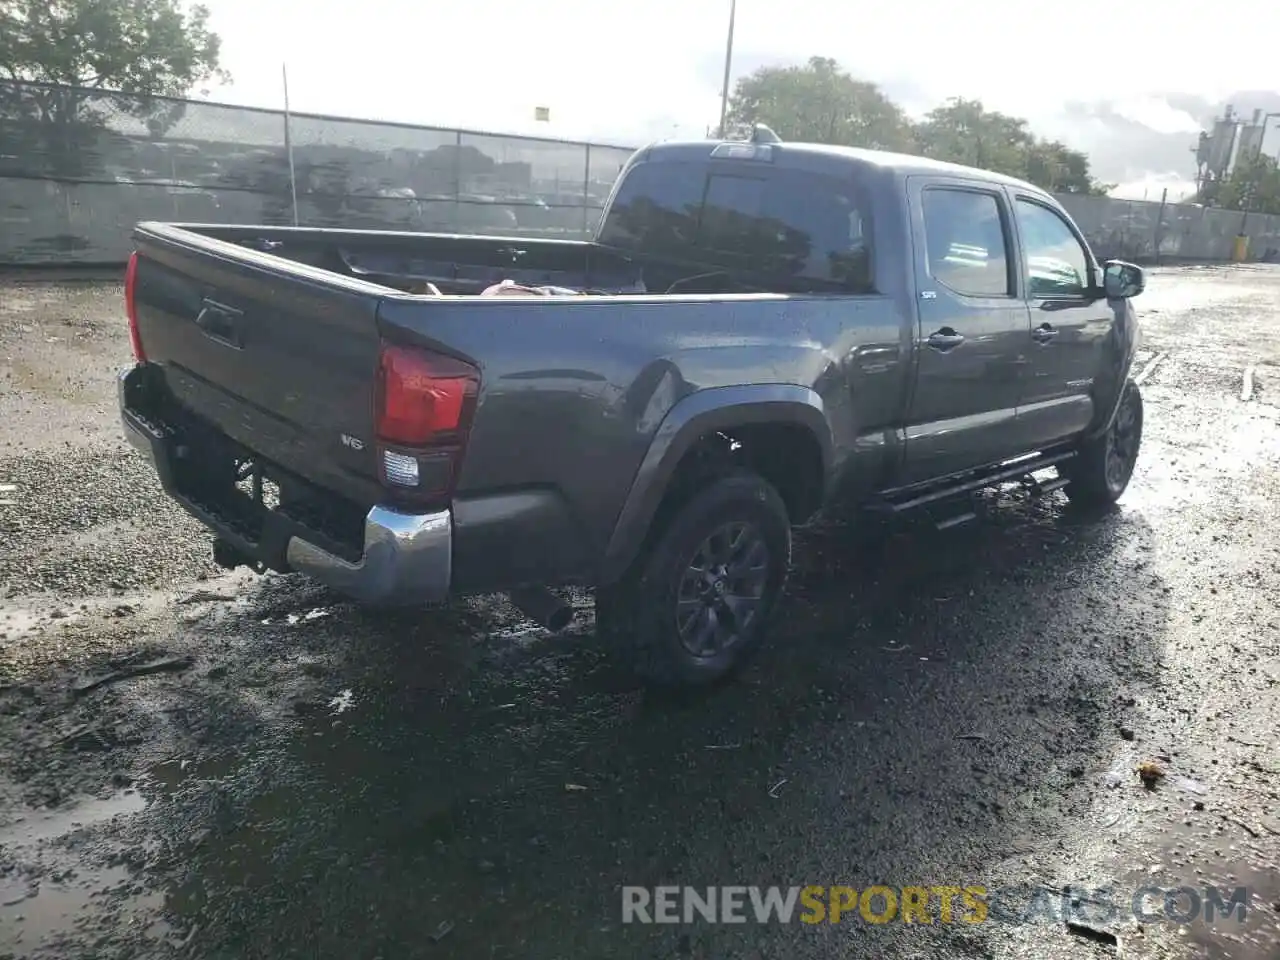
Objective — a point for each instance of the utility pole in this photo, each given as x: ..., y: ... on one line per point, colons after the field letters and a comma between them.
x: 288, y: 142
x: 728, y: 63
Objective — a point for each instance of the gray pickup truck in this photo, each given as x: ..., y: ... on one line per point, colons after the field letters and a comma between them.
x: 764, y: 329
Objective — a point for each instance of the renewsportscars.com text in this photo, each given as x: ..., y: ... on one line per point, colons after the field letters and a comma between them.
x: 929, y: 904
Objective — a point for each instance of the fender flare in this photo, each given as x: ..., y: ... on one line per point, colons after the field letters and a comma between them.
x: 716, y: 408
x: 1129, y: 338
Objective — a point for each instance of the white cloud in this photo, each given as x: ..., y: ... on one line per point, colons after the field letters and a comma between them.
x: 1156, y: 114
x: 635, y: 67
x: 481, y: 64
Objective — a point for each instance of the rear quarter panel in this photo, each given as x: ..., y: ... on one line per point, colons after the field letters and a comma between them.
x: 573, y: 390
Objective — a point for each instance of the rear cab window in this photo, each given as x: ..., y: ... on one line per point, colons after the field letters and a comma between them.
x: 656, y: 209
x: 789, y: 230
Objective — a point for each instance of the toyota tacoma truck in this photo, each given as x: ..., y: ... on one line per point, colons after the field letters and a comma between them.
x: 757, y: 331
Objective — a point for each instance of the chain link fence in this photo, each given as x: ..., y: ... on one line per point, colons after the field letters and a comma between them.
x: 78, y: 168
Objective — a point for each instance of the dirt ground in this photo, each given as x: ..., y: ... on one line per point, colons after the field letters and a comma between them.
x: 291, y: 775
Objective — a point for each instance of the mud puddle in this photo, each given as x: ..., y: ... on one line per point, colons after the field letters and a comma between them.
x: 35, y: 914
x: 47, y: 885
x: 35, y: 827
x: 1211, y: 889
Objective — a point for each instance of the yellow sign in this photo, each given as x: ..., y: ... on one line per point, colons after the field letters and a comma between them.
x: 542, y: 113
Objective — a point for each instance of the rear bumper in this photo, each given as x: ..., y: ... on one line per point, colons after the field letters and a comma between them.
x: 406, y: 558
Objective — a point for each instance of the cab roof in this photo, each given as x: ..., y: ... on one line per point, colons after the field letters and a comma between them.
x: 831, y: 160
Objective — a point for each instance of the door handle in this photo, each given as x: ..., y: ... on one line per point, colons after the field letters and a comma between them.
x: 945, y: 339
x: 221, y: 323
x: 1043, y: 333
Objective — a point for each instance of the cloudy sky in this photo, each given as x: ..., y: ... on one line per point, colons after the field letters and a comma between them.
x: 631, y: 70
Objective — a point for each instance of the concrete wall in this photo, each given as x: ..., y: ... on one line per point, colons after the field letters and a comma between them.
x: 1146, y: 231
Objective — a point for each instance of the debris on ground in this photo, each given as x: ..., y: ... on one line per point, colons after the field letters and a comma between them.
x: 1095, y: 934
x: 315, y: 614
x: 1150, y: 773
x: 204, y: 596
x: 343, y: 702
x: 1244, y: 826
x: 90, y: 736
x: 166, y: 665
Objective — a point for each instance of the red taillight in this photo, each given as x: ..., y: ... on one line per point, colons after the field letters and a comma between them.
x: 422, y: 397
x: 131, y: 308
x: 424, y: 406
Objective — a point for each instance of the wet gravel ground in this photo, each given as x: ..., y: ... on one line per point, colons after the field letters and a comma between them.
x: 291, y: 775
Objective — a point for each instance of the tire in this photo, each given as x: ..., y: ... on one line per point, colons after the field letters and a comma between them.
x: 1102, y: 468
x: 657, y: 615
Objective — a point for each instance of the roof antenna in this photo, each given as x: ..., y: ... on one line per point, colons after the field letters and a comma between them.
x: 762, y: 134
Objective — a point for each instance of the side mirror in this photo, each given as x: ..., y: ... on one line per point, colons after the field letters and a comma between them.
x: 1121, y: 280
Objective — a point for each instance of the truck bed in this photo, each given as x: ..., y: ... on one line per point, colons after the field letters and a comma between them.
x: 459, y: 264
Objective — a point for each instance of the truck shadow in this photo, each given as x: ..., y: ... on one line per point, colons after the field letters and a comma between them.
x: 931, y: 710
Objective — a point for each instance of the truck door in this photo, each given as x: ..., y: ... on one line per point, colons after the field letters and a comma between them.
x: 1069, y: 325
x: 972, y: 333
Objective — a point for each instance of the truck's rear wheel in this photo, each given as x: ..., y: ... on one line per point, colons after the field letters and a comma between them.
x: 698, y: 601
x: 1102, y: 468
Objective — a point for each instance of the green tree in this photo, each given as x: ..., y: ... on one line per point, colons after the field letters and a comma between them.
x: 1057, y: 167
x: 963, y: 131
x: 144, y: 47
x: 1254, y: 185
x: 820, y: 103
x: 86, y: 57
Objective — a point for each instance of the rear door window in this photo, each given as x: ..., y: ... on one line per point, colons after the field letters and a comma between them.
x: 964, y: 235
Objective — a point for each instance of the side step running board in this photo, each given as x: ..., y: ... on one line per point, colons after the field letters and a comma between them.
x: 1039, y: 488
x: 955, y: 521
x: 1014, y: 471
x: 1035, y: 489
